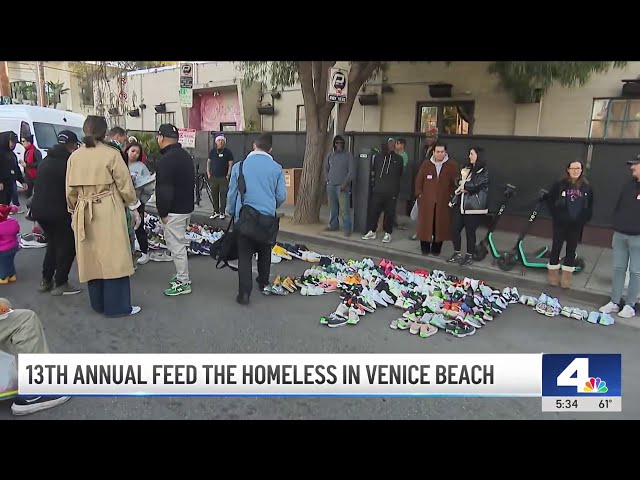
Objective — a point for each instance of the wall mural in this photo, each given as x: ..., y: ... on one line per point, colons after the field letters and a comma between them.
x: 210, y: 109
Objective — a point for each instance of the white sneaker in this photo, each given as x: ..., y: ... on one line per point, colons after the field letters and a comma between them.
x: 160, y: 257
x: 135, y: 309
x: 386, y: 238
x: 214, y: 216
x: 610, y: 308
x: 144, y: 258
x: 369, y: 235
x: 627, y: 312
x: 222, y: 216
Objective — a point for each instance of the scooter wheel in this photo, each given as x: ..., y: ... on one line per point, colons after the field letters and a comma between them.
x: 507, y: 261
x: 580, y: 265
x: 480, y: 253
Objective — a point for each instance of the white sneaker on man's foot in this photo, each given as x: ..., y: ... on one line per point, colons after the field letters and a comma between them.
x: 386, y: 238
x: 27, y: 405
x: 135, y: 309
x: 627, y: 312
x: 144, y: 258
x: 610, y: 308
x: 369, y: 235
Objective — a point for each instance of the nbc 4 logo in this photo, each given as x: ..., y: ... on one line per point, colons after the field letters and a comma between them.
x: 577, y: 375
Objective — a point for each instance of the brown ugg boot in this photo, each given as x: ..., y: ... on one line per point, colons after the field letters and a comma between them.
x: 553, y: 275
x: 567, y: 273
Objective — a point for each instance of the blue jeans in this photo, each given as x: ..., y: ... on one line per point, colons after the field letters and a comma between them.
x: 7, y: 266
x: 339, y: 205
x: 626, y: 254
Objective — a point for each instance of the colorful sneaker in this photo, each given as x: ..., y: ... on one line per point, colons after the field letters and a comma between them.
x: 579, y: 314
x: 515, y: 295
x: 460, y: 329
x: 178, y: 288
x: 606, y: 319
x: 566, y: 312
x: 336, y: 321
x: 593, y: 317
x: 403, y: 324
x: 354, y: 318
x: 469, y: 320
x: 439, y: 321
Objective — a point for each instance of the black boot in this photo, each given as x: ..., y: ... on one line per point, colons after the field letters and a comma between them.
x: 425, y: 248
x: 242, y: 299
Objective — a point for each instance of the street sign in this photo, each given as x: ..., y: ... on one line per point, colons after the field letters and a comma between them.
x: 337, y: 88
x: 186, y: 97
x: 186, y: 75
x: 187, y: 137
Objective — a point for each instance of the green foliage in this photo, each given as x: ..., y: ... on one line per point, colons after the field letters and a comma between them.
x: 55, y: 91
x: 276, y: 75
x: 148, y: 142
x: 527, y: 80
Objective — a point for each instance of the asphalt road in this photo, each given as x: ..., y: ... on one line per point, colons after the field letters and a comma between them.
x: 210, y: 321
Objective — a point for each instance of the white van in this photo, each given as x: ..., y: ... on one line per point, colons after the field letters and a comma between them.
x: 43, y: 123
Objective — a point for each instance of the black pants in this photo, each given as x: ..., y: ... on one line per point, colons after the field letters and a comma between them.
x: 433, y: 246
x: 246, y: 248
x: 382, y: 203
x: 61, y: 250
x: 470, y: 224
x: 30, y: 184
x: 565, y: 233
x: 141, y: 233
x: 111, y: 297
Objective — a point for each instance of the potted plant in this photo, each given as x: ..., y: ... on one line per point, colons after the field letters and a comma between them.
x: 134, y: 112
x: 267, y: 109
x: 368, y: 99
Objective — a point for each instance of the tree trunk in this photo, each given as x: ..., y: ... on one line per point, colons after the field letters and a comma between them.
x: 311, y: 185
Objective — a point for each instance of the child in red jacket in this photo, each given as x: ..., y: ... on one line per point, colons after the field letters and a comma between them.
x: 9, y: 245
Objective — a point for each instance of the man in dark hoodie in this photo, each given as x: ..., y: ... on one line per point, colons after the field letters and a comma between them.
x: 8, y: 142
x: 387, y: 170
x: 49, y: 209
x: 340, y: 171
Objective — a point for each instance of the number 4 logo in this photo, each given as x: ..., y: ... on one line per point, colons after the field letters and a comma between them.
x: 575, y: 375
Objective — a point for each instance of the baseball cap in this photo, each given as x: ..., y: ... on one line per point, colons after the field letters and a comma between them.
x: 168, y: 130
x: 66, y: 137
x: 390, y: 139
x: 635, y: 161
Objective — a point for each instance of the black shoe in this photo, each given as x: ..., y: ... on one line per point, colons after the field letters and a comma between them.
x: 242, y: 299
x: 466, y: 260
x: 45, y: 286
x: 455, y: 258
x: 27, y: 405
x: 260, y: 284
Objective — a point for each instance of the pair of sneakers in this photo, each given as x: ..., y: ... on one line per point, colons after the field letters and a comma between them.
x: 626, y: 312
x: 457, y: 327
x: 371, y: 235
x: 177, y: 287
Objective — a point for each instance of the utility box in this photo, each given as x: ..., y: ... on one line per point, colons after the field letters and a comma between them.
x: 292, y: 177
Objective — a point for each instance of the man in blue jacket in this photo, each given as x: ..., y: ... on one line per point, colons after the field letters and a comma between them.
x: 265, y: 191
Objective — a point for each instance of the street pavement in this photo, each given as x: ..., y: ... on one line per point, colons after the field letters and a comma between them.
x: 210, y: 321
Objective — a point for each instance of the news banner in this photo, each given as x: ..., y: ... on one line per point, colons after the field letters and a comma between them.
x: 564, y: 382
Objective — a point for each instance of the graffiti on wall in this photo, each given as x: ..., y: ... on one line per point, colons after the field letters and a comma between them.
x: 210, y: 109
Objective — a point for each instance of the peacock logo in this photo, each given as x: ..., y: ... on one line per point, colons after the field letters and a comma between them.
x: 595, y: 385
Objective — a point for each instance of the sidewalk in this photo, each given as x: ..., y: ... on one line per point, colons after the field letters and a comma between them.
x: 591, y: 285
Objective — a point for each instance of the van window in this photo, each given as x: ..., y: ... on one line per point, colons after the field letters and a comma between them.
x: 25, y: 130
x: 47, y: 133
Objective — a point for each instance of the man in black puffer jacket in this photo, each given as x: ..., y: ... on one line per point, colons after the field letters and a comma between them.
x: 49, y: 209
x: 7, y: 162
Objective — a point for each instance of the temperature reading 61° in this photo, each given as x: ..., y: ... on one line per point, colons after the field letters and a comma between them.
x: 605, y: 403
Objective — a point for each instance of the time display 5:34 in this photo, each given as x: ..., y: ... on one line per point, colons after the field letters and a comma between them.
x: 567, y: 403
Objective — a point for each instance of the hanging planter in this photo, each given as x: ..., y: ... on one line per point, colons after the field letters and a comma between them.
x: 134, y: 113
x: 631, y: 88
x: 370, y: 99
x: 114, y: 112
x: 160, y: 108
x: 266, y: 110
x: 440, y: 90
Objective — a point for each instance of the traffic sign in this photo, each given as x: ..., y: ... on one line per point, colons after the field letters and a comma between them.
x: 186, y: 69
x: 186, y: 82
x: 338, y: 85
x: 186, y: 97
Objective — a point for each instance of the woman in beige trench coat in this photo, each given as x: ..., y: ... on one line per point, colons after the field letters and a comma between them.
x: 99, y: 188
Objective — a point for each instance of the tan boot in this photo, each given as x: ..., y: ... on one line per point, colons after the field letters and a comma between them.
x: 553, y: 275
x: 567, y: 273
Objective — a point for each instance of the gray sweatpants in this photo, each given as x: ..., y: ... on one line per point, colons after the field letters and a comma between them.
x: 174, y: 231
x: 21, y: 332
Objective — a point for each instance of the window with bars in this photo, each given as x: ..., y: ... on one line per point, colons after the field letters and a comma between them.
x: 615, y: 118
x: 167, y: 117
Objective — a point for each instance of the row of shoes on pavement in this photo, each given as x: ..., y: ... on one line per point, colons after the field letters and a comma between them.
x: 551, y: 307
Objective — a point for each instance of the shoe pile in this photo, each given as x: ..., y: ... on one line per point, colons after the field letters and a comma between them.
x: 290, y: 251
x: 430, y: 300
x: 200, y: 237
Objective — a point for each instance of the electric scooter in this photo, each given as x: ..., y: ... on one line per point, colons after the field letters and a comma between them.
x: 509, y: 259
x: 486, y: 245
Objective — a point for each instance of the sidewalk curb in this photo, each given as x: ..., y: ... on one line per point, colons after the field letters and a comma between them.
x: 376, y: 252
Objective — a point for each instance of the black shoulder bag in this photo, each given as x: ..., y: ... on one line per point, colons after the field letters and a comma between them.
x: 225, y: 249
x: 251, y: 223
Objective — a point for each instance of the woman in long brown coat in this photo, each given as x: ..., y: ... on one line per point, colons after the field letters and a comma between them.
x: 435, y: 185
x: 99, y: 188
